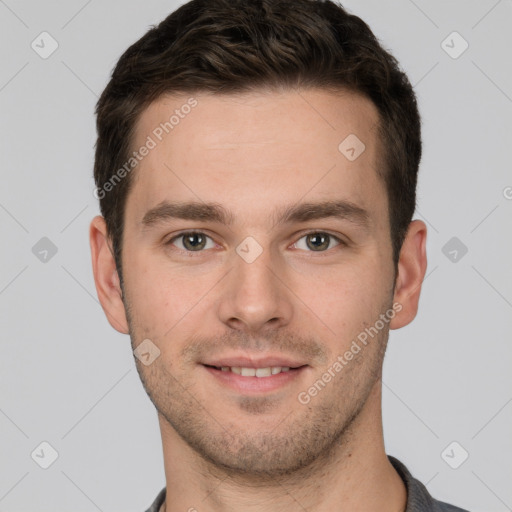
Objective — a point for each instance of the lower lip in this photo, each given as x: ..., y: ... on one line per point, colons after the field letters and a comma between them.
x: 255, y: 385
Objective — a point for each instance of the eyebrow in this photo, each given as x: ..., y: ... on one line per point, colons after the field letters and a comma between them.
x: 214, y: 212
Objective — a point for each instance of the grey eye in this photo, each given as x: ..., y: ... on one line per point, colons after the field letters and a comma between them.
x: 317, y: 242
x: 192, y: 241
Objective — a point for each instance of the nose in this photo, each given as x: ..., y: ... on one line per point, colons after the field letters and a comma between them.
x: 254, y: 296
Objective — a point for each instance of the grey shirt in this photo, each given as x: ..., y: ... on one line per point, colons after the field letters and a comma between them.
x: 418, y: 498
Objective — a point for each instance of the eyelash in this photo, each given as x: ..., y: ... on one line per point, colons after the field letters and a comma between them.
x: 198, y: 253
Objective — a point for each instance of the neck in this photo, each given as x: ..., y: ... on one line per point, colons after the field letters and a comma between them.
x: 355, y: 476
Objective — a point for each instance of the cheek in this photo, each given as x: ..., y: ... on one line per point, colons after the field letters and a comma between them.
x: 167, y: 302
x: 334, y: 300
x: 155, y: 297
x: 345, y: 298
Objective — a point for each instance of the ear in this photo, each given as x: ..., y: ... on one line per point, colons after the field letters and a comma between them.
x: 105, y: 275
x: 412, y: 266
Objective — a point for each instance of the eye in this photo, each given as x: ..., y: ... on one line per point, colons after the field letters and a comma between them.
x: 197, y: 241
x: 191, y: 241
x: 317, y: 241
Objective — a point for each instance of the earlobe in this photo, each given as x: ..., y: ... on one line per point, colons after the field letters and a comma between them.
x: 106, y: 277
x: 412, y: 266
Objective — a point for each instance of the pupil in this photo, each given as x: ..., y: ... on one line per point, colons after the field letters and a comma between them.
x: 192, y: 243
x: 323, y: 239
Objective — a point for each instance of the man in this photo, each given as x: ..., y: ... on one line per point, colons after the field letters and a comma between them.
x: 256, y: 167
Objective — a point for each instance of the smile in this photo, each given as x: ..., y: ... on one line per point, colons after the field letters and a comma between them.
x: 253, y: 372
x: 250, y: 380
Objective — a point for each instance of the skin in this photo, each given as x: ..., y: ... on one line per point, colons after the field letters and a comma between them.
x: 253, y: 153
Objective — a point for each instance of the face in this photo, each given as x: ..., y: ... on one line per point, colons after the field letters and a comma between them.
x: 256, y: 254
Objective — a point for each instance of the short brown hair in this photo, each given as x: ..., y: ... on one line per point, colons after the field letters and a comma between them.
x: 233, y: 46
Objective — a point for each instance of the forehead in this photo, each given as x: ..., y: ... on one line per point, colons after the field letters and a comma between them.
x: 280, y: 146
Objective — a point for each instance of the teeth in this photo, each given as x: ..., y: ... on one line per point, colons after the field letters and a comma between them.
x: 263, y: 372
x: 256, y: 372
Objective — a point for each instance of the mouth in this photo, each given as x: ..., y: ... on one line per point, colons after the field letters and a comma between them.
x: 252, y: 379
x: 261, y: 372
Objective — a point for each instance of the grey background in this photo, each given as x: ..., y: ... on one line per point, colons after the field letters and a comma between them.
x: 67, y: 378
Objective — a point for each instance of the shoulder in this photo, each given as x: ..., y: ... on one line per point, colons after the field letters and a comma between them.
x: 446, y: 507
x: 418, y: 498
x: 155, y: 506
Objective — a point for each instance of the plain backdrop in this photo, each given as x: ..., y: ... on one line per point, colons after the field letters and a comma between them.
x: 69, y: 380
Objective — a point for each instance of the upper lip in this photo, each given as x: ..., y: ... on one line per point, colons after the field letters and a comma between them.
x: 254, y: 362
